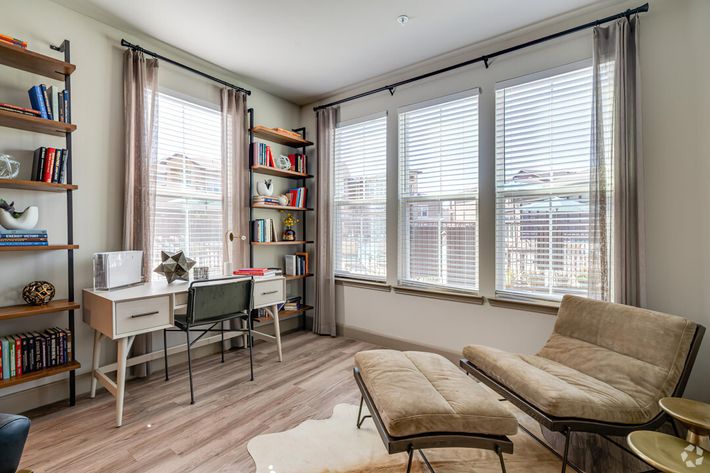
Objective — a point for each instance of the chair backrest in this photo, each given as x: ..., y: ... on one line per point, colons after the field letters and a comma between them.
x: 644, y: 353
x: 218, y: 299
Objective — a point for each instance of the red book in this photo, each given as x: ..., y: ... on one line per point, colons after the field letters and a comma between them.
x: 18, y: 108
x: 251, y: 271
x: 18, y: 355
x: 48, y: 170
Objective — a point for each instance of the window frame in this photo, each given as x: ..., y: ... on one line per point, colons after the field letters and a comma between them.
x: 406, y: 284
x: 344, y: 274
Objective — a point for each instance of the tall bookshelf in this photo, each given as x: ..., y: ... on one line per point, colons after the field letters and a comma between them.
x: 302, y: 244
x: 60, y: 70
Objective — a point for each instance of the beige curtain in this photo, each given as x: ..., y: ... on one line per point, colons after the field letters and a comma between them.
x: 235, y: 179
x: 140, y: 91
x: 324, y: 320
x: 616, y: 190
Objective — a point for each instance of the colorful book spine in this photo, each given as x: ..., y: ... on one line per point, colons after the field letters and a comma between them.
x: 49, y: 165
x: 47, y: 104
x: 37, y: 101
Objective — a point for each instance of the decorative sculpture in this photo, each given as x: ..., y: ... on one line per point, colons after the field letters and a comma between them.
x: 264, y: 187
x: 10, y: 219
x: 38, y: 293
x: 9, y: 168
x: 176, y: 266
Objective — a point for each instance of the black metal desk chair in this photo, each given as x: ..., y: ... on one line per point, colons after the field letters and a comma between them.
x: 211, y: 303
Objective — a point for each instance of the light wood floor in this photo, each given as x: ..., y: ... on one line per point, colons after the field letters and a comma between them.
x: 162, y: 432
x: 210, y: 435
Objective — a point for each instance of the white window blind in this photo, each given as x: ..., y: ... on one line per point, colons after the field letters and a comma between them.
x: 543, y: 146
x: 360, y: 197
x: 188, y: 210
x: 438, y: 193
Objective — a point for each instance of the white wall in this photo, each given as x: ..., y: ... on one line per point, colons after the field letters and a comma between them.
x: 98, y: 157
x: 676, y: 136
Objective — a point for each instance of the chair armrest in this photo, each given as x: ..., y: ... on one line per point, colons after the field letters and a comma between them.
x: 13, y: 434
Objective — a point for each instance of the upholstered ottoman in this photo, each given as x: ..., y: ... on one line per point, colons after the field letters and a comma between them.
x: 421, y: 400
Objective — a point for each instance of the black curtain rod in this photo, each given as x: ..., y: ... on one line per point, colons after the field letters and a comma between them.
x: 487, y: 57
x: 135, y: 47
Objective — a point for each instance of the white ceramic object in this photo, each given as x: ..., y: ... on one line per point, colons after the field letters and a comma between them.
x: 283, y: 199
x: 265, y: 187
x: 27, y: 221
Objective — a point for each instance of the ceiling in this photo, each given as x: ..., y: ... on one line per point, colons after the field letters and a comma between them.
x: 302, y: 50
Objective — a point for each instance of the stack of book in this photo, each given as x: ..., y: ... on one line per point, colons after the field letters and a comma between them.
x: 23, y: 237
x: 292, y: 303
x: 296, y: 265
x: 265, y: 200
x: 262, y: 155
x: 5, y: 39
x: 8, y: 107
x: 50, y: 102
x: 49, y: 165
x: 298, y: 163
x: 297, y: 197
x: 33, y: 351
x: 258, y: 273
x: 263, y: 230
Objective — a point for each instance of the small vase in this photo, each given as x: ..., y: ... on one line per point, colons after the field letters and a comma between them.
x: 26, y: 221
x: 288, y: 234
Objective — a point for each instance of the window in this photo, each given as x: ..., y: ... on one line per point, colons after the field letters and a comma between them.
x: 360, y: 206
x: 188, y: 210
x: 543, y: 146
x: 438, y: 193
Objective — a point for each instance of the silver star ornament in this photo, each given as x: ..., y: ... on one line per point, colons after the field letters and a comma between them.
x: 175, y: 266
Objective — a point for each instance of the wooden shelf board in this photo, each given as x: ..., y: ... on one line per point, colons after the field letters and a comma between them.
x: 269, y: 134
x: 279, y: 207
x: 279, y: 172
x: 39, y: 248
x: 35, y: 63
x: 35, y: 375
x: 35, y: 124
x: 26, y: 310
x: 36, y: 185
x: 300, y: 276
x: 294, y: 242
x: 285, y: 314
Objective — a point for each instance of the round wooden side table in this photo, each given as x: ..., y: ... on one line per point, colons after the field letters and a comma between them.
x: 667, y: 453
x: 694, y: 415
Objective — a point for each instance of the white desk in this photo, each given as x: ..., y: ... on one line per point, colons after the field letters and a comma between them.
x: 121, y: 314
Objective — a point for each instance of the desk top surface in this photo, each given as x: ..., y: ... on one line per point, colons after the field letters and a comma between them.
x: 157, y: 288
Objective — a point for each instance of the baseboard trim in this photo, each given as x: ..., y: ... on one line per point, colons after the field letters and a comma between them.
x: 394, y: 343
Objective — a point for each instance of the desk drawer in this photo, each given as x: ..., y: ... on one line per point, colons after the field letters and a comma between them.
x: 142, y: 315
x: 268, y: 292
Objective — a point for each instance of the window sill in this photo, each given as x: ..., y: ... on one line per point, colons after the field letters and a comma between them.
x: 549, y: 308
x: 363, y: 284
x: 443, y: 295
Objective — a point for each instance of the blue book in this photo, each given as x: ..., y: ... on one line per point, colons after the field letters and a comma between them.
x: 67, y: 109
x: 5, y: 359
x: 37, y: 101
x: 34, y: 233
x: 23, y: 243
x: 45, y: 98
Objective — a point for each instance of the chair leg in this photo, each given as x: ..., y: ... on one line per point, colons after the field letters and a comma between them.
x: 410, y: 452
x: 165, y: 352
x: 189, y: 367
x: 221, y: 326
x: 568, y: 437
x: 251, y: 344
x: 499, y: 452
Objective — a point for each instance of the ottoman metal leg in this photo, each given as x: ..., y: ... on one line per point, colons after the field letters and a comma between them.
x: 410, y: 452
x: 359, y: 414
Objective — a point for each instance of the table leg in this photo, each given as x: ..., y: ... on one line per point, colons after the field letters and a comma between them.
x: 698, y: 438
x: 96, y: 355
x: 277, y: 329
x: 123, y: 347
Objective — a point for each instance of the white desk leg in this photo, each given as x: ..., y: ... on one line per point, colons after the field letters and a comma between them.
x: 277, y: 329
x: 96, y: 355
x: 124, y: 344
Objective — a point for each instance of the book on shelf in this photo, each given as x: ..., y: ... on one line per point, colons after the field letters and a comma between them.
x: 265, y: 200
x: 262, y: 155
x: 49, y: 165
x: 49, y: 102
x: 6, y: 39
x: 292, y: 303
x: 258, y: 273
x: 32, y: 237
x: 263, y: 230
x: 297, y: 197
x: 17, y: 109
x: 296, y: 265
x: 298, y: 163
x: 28, y: 352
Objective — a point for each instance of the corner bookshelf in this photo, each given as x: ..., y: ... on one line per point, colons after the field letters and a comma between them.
x: 299, y: 143
x: 60, y: 70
